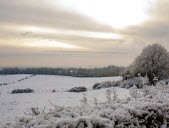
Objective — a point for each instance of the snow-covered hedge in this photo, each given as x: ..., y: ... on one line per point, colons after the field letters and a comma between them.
x: 149, y: 111
x: 135, y: 81
x: 27, y: 90
x: 106, y: 84
x: 78, y: 89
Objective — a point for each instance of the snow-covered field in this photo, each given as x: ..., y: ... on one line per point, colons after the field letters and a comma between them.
x: 11, y: 78
x: 43, y: 82
x: 14, y: 105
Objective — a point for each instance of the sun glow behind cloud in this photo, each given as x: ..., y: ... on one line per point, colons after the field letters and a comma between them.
x: 116, y: 13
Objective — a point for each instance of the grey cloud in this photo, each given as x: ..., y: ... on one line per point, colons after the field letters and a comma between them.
x: 160, y: 10
x: 25, y: 12
x: 104, y: 51
x: 155, y: 30
x: 149, y: 30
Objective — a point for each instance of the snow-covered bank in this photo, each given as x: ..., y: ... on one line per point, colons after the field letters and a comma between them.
x: 149, y: 111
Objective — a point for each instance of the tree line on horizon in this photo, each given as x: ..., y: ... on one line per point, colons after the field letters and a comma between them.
x: 77, y: 72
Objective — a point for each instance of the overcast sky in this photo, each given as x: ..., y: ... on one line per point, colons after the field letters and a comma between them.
x: 79, y: 33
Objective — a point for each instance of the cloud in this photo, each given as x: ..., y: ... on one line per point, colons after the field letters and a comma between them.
x: 26, y: 12
x: 50, y: 21
x: 154, y: 30
x: 23, y: 57
x: 17, y: 13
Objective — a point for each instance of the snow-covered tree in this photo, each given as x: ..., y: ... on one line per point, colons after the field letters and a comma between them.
x: 153, y: 61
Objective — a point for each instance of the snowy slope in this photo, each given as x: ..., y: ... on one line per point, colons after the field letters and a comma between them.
x: 146, y: 111
x: 14, y: 105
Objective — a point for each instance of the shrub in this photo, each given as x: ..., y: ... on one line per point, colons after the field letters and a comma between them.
x: 95, y: 86
x: 135, y: 81
x: 106, y: 84
x: 78, y: 89
x: 148, y: 116
x: 27, y: 90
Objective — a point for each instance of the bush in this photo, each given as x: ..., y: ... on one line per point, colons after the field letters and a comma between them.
x: 27, y: 90
x: 96, y: 85
x: 106, y: 84
x: 78, y: 89
x: 148, y: 116
x: 135, y: 81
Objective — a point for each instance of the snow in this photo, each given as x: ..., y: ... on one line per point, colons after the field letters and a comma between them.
x: 14, y: 105
x: 43, y: 82
x: 147, y: 107
x: 147, y: 111
x: 11, y: 78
